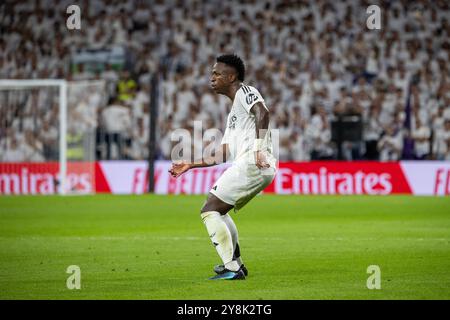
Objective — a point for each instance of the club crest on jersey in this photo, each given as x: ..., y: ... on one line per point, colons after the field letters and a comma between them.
x: 232, y: 124
x: 250, y: 98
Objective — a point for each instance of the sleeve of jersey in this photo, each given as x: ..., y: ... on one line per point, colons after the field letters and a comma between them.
x: 249, y: 97
x: 226, y: 136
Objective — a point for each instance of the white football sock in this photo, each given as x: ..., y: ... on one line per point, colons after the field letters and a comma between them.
x: 221, y: 238
x: 234, y: 234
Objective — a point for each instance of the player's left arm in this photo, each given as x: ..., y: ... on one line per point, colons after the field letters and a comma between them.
x: 178, y: 168
x: 261, y: 114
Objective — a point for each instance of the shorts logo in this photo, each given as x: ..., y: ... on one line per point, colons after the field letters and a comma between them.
x: 215, y: 188
x: 250, y: 98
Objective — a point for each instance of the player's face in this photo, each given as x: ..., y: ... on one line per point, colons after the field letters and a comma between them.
x: 220, y: 78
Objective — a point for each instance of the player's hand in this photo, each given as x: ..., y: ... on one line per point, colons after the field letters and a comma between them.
x: 179, y: 168
x: 260, y: 160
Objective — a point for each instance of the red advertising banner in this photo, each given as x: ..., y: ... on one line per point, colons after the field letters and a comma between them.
x: 340, y: 178
x: 43, y: 178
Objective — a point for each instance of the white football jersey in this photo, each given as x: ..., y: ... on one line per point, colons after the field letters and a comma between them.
x: 240, y: 132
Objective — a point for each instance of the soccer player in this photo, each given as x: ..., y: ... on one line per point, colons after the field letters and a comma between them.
x: 247, y: 141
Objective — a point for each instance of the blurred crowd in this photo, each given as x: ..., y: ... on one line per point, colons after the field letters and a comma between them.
x: 313, y: 62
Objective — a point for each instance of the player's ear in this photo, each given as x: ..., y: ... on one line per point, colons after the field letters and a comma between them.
x: 232, y: 77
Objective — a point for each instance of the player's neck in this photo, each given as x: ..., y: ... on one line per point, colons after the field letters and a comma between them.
x: 231, y: 93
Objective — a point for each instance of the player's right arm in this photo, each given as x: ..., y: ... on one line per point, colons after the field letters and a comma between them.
x: 178, y: 168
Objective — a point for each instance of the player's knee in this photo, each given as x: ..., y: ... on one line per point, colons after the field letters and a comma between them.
x: 203, y: 210
x: 212, y: 203
x: 208, y: 206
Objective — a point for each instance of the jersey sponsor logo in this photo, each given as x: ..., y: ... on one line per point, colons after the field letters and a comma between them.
x: 250, y: 98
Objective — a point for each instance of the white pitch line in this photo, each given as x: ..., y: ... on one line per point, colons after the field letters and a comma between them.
x: 189, y: 238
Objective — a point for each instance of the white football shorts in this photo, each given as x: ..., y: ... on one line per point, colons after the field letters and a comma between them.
x: 241, y: 182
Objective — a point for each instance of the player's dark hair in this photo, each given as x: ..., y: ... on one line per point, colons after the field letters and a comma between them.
x: 235, y: 62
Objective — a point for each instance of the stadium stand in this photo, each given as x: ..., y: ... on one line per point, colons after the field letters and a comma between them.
x: 313, y: 61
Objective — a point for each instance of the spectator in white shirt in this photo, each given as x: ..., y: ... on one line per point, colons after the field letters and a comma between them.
x: 33, y: 148
x: 421, y: 135
x: 318, y: 132
x: 372, y: 132
x: 441, y: 146
x: 117, y: 124
x: 49, y: 137
x: 390, y: 145
x: 14, y: 153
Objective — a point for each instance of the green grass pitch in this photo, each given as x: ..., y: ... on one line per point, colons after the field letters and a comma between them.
x: 156, y: 247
